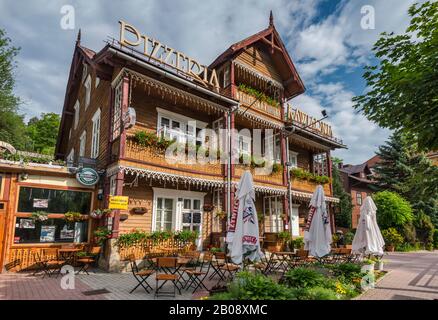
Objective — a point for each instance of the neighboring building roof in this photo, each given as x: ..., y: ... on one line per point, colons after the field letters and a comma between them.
x: 352, y: 169
x: 373, y: 161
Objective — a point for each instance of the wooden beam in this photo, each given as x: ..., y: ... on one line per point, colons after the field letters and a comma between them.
x: 271, y: 44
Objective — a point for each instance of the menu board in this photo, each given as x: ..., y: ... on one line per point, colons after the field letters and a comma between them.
x: 47, y: 234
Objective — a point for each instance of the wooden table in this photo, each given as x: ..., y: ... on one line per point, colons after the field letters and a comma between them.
x: 69, y: 254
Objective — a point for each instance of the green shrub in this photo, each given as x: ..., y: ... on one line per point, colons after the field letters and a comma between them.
x: 392, y: 237
x: 409, y: 233
x: 392, y: 210
x: 347, y: 271
x: 249, y: 286
x: 298, y: 243
x: 348, y: 237
x: 316, y: 293
x: 435, y: 238
x: 424, y: 228
x: 303, y: 278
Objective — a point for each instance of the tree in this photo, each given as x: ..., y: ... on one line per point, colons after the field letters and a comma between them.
x: 43, y: 132
x: 404, y: 86
x: 410, y: 173
x: 343, y: 217
x: 12, y: 127
x: 393, y: 211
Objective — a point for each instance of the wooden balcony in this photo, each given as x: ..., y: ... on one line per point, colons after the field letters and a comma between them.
x: 274, y: 178
x: 308, y: 186
x: 247, y: 100
x: 152, y: 157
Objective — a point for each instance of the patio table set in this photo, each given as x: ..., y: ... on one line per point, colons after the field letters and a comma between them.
x: 51, y: 260
x: 188, y: 271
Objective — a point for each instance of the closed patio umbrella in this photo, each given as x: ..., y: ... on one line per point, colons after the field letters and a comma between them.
x: 368, y: 239
x: 318, y: 235
x: 243, y: 232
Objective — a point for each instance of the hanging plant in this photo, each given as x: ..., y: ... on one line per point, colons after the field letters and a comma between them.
x: 99, y: 213
x: 39, y: 216
x: 101, y: 234
x: 73, y: 216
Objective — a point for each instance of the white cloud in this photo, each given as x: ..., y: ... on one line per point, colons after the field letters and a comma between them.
x: 360, y: 135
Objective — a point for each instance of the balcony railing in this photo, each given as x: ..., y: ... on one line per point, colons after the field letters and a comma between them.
x: 247, y: 100
x: 273, y: 178
x: 151, y: 156
x: 309, y: 186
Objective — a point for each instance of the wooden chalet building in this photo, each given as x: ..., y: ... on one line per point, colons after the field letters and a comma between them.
x: 168, y: 99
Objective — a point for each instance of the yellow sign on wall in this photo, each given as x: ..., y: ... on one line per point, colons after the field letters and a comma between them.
x: 118, y: 202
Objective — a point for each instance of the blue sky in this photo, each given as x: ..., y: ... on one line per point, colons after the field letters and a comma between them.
x: 323, y: 37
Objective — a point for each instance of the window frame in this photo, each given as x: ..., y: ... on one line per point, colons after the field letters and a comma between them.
x: 82, y: 143
x: 77, y: 108
x: 87, y: 86
x: 359, y: 196
x: 95, y: 134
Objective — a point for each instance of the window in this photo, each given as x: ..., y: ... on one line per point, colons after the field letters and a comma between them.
x: 273, y: 209
x: 293, y: 158
x: 53, y: 200
x: 113, y: 185
x: 71, y: 156
x: 164, y: 216
x: 226, y: 77
x: 359, y: 198
x: 82, y: 141
x: 174, y: 126
x: 76, y: 107
x: 117, y: 116
x: 84, y: 71
x: 277, y: 148
x: 49, y: 231
x: 95, y: 138
x: 244, y: 145
x: 87, y: 86
x: 218, y: 207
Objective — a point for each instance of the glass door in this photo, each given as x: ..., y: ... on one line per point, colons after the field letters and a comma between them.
x: 191, y: 215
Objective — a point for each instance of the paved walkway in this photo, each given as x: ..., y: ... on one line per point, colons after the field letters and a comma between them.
x: 25, y: 286
x: 413, y: 276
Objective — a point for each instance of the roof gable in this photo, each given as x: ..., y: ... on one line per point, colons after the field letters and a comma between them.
x: 270, y: 40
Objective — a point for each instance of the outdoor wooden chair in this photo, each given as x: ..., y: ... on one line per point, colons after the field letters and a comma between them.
x: 301, y: 258
x: 51, y: 262
x: 140, y: 275
x: 199, y: 274
x: 227, y: 269
x: 166, y: 267
x: 90, y: 259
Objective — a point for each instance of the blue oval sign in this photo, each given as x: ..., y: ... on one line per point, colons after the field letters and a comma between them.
x: 87, y: 176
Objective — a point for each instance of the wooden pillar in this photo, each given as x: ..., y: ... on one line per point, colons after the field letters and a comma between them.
x: 120, y: 179
x: 329, y: 170
x: 284, y: 159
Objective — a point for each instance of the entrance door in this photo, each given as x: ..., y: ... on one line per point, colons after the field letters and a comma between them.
x: 295, y: 221
x: 2, y: 232
x: 192, y: 217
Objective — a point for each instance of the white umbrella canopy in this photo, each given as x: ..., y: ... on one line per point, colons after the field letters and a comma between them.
x: 368, y: 239
x: 318, y: 234
x: 243, y: 232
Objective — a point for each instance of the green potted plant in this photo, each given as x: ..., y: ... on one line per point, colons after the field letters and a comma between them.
x: 378, y: 263
x: 392, y: 238
x: 298, y: 243
x: 368, y: 265
x: 99, y: 213
x: 284, y: 238
x: 101, y: 234
x: 40, y: 216
x: 73, y: 216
